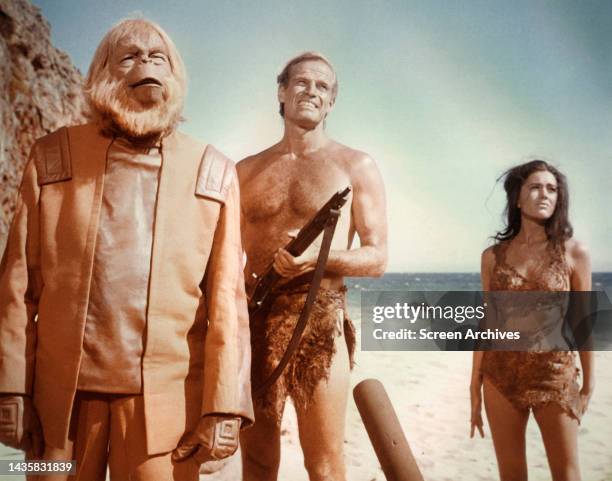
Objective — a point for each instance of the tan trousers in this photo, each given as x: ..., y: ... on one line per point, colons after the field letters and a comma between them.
x: 108, y: 429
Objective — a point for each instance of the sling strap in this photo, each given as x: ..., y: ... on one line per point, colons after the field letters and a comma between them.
x: 328, y: 234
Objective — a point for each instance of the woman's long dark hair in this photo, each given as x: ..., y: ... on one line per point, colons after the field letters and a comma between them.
x: 558, y: 227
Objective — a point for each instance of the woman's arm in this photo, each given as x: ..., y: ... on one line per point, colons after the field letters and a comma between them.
x: 580, y: 280
x: 486, y: 266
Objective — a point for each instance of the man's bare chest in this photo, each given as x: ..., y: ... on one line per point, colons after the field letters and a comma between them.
x: 293, y: 193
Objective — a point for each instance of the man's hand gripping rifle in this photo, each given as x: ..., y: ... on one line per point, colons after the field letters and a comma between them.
x: 327, y: 215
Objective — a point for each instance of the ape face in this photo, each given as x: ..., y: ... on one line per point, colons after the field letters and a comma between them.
x: 136, y: 92
x: 141, y: 61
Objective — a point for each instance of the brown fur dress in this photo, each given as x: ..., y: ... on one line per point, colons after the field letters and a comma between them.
x: 311, y: 362
x: 534, y: 379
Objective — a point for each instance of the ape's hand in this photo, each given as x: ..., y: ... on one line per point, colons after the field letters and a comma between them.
x: 215, y: 437
x: 19, y: 424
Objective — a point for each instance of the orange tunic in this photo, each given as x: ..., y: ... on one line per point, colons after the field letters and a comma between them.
x: 117, y: 309
x: 196, y: 359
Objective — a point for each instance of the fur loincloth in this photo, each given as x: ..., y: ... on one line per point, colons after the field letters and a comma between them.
x: 311, y: 362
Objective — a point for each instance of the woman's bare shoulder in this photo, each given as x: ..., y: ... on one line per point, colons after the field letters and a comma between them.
x: 576, y: 251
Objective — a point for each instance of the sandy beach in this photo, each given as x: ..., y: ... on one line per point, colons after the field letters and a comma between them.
x: 430, y: 393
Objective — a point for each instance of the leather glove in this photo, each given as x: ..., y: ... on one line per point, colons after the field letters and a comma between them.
x: 19, y: 425
x: 214, y: 438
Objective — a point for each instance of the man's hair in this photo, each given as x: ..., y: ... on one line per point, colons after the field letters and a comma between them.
x: 284, y: 76
x: 101, y: 90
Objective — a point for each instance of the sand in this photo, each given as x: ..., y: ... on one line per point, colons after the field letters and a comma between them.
x: 430, y: 393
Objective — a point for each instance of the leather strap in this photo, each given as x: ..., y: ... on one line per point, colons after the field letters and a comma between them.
x: 328, y: 234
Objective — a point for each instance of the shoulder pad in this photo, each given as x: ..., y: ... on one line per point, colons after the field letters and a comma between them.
x: 52, y: 161
x: 215, y: 175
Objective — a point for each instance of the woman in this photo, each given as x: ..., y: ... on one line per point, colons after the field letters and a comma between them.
x: 534, y: 252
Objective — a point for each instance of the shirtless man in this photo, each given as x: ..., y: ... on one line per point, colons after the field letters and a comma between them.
x: 281, y: 188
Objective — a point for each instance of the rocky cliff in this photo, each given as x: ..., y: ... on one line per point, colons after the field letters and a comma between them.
x: 40, y: 90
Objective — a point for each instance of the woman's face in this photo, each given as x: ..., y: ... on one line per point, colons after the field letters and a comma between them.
x: 538, y: 196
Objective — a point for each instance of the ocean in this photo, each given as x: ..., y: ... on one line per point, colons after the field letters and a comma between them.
x: 444, y: 281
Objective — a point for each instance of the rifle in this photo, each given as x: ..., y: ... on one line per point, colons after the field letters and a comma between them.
x: 324, y: 221
x: 306, y: 236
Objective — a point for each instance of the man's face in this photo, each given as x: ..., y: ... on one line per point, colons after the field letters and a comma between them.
x: 141, y: 61
x: 308, y: 96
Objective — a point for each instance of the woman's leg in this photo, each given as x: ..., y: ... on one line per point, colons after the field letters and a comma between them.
x: 508, y: 426
x: 560, y: 435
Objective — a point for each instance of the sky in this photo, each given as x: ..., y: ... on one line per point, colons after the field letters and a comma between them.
x: 444, y: 95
